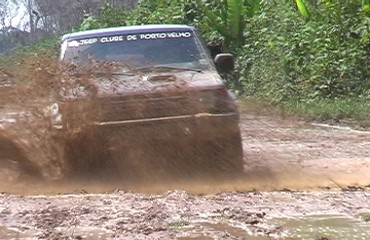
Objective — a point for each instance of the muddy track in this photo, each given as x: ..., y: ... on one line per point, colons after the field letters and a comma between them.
x: 301, y: 181
x: 296, y: 154
x: 178, y: 215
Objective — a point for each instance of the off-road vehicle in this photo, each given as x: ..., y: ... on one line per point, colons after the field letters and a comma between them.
x: 160, y: 109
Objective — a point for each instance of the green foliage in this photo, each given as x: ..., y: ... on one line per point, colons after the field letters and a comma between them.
x: 163, y: 11
x: 326, y: 57
x: 229, y: 18
x: 302, y: 8
x: 109, y: 17
x: 349, y: 111
x: 147, y: 12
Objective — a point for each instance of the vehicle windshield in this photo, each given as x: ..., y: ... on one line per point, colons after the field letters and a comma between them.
x: 176, y: 49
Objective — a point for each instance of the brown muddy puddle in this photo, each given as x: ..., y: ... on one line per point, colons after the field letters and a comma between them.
x: 180, y: 215
x: 314, y: 227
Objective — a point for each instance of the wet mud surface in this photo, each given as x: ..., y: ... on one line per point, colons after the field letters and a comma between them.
x: 179, y: 215
x: 300, y: 155
x: 301, y: 181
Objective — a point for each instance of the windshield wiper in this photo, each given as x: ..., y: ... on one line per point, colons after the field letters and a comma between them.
x: 165, y: 68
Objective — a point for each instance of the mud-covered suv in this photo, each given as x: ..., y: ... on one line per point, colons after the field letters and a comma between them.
x: 163, y: 110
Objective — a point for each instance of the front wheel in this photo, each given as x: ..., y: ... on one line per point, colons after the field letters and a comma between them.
x: 213, y: 158
x: 87, y: 158
x: 221, y: 157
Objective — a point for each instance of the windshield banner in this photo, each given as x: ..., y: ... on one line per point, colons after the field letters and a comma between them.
x: 131, y: 37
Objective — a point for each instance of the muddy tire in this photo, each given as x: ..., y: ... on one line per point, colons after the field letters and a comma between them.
x: 195, y: 159
x: 90, y: 156
x: 87, y: 158
x: 220, y: 157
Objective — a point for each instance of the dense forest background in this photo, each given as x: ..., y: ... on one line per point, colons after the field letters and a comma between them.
x: 288, y: 51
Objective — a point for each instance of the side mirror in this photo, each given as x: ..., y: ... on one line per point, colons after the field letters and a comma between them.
x: 225, y: 62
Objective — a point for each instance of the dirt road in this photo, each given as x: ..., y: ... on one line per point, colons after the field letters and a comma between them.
x: 302, y: 181
x: 295, y: 154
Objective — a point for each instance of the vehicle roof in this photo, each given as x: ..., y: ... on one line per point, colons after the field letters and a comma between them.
x: 126, y: 30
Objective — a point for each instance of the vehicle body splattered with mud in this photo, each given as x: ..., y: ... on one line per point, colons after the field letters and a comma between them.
x: 144, y: 102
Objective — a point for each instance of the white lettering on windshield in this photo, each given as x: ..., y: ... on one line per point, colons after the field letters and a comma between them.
x: 150, y: 36
x: 131, y: 37
x: 111, y: 39
x: 88, y: 41
x: 120, y: 38
x: 81, y: 42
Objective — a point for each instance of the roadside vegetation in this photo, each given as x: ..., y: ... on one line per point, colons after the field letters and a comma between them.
x: 307, y: 57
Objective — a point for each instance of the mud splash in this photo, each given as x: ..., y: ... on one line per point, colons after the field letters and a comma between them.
x: 32, y: 148
x: 25, y: 141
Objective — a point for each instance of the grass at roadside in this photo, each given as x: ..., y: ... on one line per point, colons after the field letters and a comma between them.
x: 350, y: 111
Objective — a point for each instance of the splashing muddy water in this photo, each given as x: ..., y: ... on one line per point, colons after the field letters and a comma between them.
x: 87, y: 148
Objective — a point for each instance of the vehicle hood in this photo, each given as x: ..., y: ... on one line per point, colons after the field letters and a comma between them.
x: 128, y: 84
